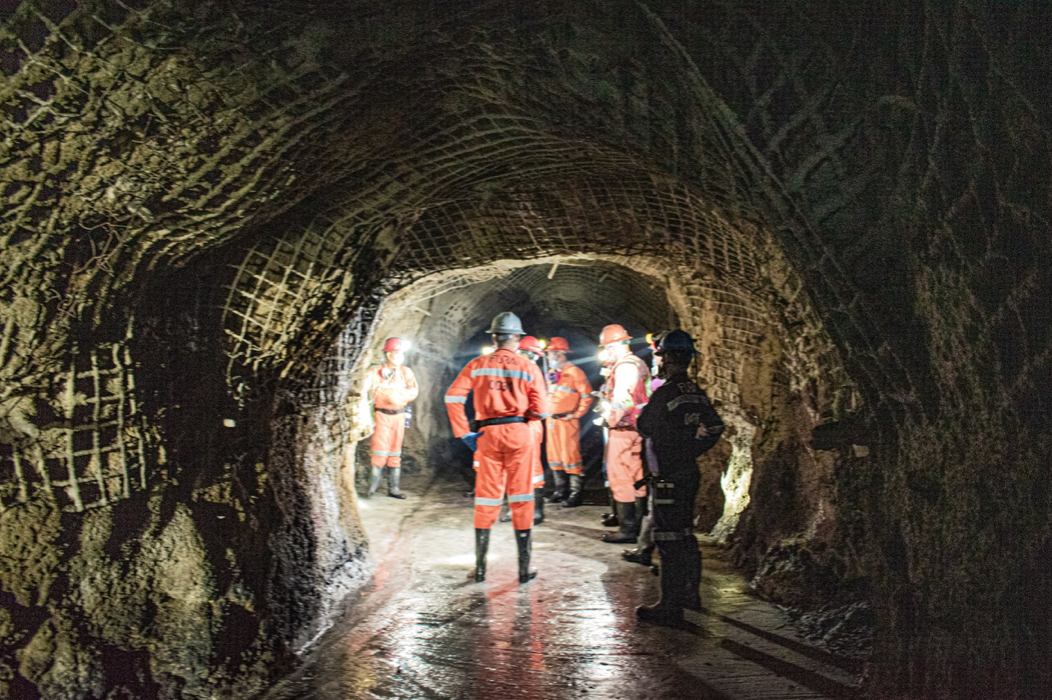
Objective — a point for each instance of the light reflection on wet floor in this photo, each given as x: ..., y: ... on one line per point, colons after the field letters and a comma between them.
x: 420, y: 629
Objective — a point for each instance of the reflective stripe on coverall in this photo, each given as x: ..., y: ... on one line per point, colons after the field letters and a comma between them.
x: 391, y: 390
x: 571, y: 394
x: 628, y: 395
x: 386, y: 443
x: 502, y: 384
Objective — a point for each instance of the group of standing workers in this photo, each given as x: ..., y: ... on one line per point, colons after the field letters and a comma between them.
x: 673, y: 423
x: 570, y: 396
x: 663, y: 421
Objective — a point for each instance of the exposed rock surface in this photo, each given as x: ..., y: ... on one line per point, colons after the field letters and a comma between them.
x: 206, y: 205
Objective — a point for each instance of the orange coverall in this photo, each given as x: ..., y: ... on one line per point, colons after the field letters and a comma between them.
x: 628, y: 388
x: 503, y: 384
x: 538, y: 466
x: 570, y: 397
x: 392, y: 390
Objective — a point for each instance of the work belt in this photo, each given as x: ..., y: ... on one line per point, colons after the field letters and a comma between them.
x: 391, y: 411
x: 627, y: 428
x: 500, y: 421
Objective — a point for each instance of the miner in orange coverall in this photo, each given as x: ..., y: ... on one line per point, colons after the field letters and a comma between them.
x: 390, y: 388
x: 507, y: 391
x: 628, y: 392
x: 532, y: 350
x: 570, y: 395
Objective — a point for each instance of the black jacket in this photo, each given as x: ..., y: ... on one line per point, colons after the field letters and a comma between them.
x: 682, y: 425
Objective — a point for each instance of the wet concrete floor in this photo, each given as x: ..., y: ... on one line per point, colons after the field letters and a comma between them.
x: 420, y: 629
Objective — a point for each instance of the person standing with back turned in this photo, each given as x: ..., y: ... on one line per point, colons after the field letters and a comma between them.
x: 507, y: 391
x: 682, y: 425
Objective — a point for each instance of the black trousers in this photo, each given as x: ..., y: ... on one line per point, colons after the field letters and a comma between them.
x: 672, y: 510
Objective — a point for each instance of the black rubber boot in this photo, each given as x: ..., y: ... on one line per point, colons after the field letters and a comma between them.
x: 629, y: 532
x: 576, y: 494
x: 394, y: 482
x: 522, y: 539
x: 691, y: 574
x: 481, y: 548
x: 374, y: 481
x: 538, y: 506
x: 668, y: 611
x: 639, y: 555
x: 505, y: 514
x: 561, y: 486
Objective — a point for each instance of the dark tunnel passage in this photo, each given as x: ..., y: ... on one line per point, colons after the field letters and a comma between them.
x: 213, y: 214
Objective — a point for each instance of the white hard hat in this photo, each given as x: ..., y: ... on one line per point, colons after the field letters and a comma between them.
x: 506, y: 323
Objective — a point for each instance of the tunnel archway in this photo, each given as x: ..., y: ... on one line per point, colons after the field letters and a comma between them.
x: 205, y: 207
x: 747, y: 364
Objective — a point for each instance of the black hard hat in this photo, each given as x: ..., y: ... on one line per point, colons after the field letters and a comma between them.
x: 676, y: 341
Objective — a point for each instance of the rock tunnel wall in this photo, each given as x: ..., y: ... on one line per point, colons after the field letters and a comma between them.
x: 200, y: 199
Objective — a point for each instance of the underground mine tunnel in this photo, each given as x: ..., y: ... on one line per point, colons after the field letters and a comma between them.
x: 214, y: 213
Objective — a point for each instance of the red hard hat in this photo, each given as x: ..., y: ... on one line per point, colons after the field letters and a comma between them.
x: 394, y: 345
x: 559, y: 345
x: 614, y: 333
x: 531, y: 344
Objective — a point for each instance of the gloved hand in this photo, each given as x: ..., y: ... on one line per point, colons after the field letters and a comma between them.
x: 471, y: 440
x: 649, y: 479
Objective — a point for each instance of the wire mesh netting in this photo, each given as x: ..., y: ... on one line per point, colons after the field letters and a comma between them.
x: 96, y: 450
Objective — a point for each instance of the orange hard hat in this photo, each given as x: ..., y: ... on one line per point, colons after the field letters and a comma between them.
x: 395, y: 345
x: 614, y: 333
x: 531, y: 344
x: 559, y: 345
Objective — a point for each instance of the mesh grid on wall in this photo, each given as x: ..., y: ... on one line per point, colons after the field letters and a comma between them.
x: 96, y: 452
